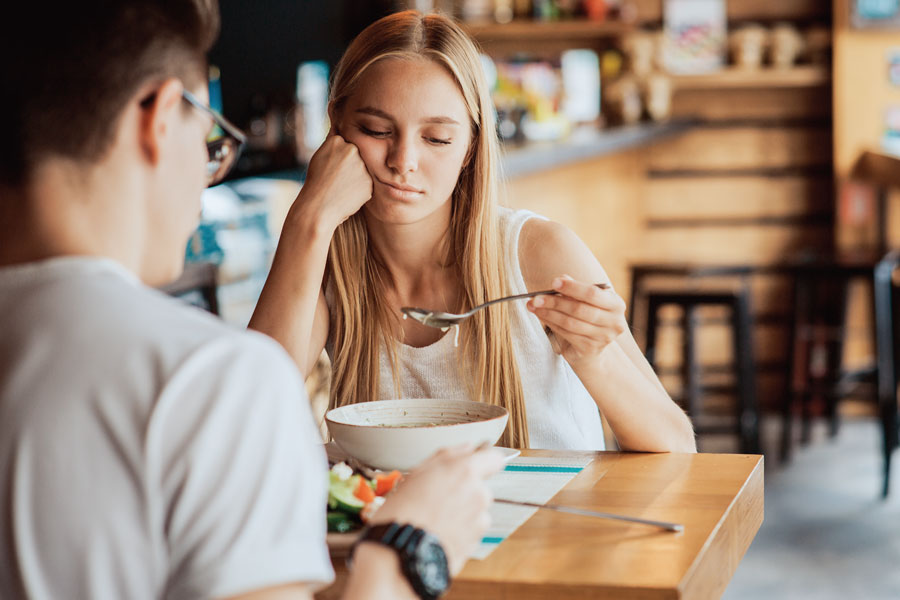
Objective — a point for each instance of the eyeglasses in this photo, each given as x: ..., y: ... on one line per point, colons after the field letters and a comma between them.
x: 224, y: 143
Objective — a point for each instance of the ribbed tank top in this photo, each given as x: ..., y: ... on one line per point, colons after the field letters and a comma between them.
x: 559, y: 410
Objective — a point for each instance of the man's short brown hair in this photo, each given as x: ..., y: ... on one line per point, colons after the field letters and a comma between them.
x: 69, y: 68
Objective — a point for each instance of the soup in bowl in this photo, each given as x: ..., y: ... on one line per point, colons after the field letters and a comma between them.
x: 400, y: 434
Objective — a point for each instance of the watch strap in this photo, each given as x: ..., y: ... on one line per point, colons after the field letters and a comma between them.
x: 404, y: 539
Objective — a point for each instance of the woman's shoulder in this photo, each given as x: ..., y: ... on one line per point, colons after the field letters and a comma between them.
x: 548, y: 249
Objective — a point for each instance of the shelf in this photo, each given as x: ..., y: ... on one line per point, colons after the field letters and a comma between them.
x: 651, y: 11
x: 804, y: 76
x: 524, y: 30
x: 585, y: 144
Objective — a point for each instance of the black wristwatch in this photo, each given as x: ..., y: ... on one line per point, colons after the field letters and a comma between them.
x: 422, y: 558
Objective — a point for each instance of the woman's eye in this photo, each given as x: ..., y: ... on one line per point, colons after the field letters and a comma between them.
x: 372, y: 132
x: 437, y: 141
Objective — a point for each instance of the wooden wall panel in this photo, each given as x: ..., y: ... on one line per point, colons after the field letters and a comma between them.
x: 769, y: 104
x: 743, y: 245
x: 743, y: 148
x: 742, y: 197
x: 598, y: 199
x: 863, y: 91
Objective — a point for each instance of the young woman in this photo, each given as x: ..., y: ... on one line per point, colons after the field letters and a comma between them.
x: 400, y: 208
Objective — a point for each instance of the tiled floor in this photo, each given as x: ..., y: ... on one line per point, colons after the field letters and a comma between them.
x: 827, y: 534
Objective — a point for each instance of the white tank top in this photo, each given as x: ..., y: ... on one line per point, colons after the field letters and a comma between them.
x: 560, y: 412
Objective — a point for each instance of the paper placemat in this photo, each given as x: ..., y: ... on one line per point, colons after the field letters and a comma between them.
x: 528, y: 479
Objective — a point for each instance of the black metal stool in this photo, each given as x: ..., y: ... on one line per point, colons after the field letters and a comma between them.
x: 738, y: 301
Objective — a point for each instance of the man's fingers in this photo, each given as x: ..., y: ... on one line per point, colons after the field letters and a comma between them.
x: 488, y: 461
x: 483, y: 462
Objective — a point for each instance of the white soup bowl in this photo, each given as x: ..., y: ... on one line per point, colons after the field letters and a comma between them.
x: 400, y: 434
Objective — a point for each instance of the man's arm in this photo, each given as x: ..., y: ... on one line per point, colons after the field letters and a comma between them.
x: 376, y: 576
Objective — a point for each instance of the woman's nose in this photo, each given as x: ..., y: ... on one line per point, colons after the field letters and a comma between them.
x: 403, y: 157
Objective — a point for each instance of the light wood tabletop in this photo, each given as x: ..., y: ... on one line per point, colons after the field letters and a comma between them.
x: 717, y: 497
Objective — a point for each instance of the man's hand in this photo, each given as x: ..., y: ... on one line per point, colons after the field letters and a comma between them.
x: 447, y: 496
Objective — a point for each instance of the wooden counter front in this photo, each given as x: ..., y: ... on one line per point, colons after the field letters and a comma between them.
x: 717, y: 497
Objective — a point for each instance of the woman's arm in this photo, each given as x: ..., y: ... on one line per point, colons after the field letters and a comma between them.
x: 593, y: 336
x: 291, y: 307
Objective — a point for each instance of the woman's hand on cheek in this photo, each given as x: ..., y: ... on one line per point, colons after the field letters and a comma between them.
x: 337, y: 181
x: 584, y: 318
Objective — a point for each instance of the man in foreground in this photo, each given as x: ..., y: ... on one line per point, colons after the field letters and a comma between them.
x: 147, y: 450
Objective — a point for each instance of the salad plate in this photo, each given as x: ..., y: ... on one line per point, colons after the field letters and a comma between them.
x: 355, y: 494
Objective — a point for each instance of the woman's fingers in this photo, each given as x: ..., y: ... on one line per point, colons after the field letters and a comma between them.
x: 577, y: 309
x: 591, y: 306
x: 583, y: 316
x: 604, y: 325
x: 585, y: 291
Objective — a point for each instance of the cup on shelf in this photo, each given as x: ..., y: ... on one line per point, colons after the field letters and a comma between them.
x: 748, y: 45
x: 785, y: 45
x: 657, y: 93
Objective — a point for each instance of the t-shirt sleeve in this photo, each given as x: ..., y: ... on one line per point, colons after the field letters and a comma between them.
x: 242, y: 472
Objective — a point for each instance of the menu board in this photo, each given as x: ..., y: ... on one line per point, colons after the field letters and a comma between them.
x: 695, y: 36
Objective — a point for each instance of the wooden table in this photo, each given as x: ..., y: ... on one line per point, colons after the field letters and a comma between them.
x: 718, y: 498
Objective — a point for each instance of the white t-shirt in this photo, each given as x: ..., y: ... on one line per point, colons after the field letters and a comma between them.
x: 146, y: 449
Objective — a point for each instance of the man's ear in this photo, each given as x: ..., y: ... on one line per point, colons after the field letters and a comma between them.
x: 159, y: 117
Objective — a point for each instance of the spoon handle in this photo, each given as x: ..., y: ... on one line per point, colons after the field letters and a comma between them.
x: 602, y: 286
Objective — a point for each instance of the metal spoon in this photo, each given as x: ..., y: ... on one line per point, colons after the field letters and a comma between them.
x: 445, y: 320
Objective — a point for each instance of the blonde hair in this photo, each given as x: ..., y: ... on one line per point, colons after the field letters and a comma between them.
x: 360, y: 318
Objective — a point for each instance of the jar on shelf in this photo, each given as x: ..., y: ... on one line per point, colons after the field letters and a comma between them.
x: 748, y: 46
x: 785, y: 45
x: 476, y: 10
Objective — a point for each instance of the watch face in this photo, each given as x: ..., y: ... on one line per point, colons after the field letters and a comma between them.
x: 431, y: 565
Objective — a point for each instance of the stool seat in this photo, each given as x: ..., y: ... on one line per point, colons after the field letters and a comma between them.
x: 738, y: 301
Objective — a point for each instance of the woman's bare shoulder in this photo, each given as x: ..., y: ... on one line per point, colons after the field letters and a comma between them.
x: 548, y: 249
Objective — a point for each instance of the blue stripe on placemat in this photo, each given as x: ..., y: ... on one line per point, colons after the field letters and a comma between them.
x: 543, y: 469
x: 492, y: 540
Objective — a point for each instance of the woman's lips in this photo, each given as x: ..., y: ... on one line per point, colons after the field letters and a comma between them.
x: 401, y: 192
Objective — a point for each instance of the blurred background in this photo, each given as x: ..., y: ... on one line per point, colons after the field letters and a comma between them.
x: 732, y: 163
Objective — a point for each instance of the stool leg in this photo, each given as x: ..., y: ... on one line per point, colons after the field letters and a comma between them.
x: 653, y: 307
x: 795, y: 364
x: 748, y: 414
x: 689, y: 369
x: 835, y: 359
x: 889, y: 424
x: 811, y: 392
x: 636, y: 282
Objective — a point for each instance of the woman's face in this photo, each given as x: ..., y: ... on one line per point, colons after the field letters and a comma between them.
x: 411, y: 126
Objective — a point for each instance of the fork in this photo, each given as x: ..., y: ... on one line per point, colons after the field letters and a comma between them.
x: 445, y: 320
